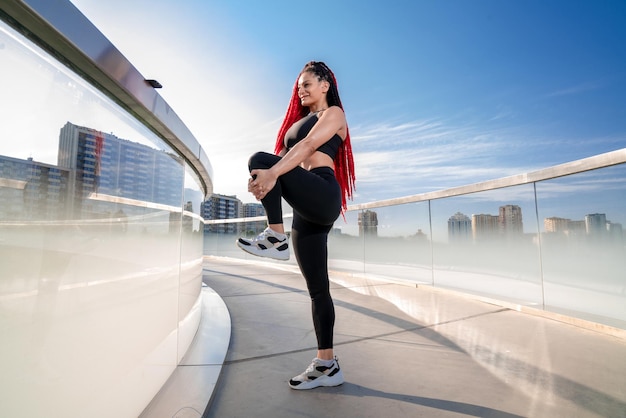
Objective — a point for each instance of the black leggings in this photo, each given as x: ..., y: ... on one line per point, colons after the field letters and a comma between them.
x: 315, y: 198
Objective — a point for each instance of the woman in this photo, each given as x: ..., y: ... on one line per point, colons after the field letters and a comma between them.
x: 314, y: 172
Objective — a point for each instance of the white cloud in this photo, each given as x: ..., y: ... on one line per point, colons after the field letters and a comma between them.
x: 425, y: 155
x: 576, y: 89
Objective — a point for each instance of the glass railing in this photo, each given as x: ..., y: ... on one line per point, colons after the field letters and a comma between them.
x: 551, y: 239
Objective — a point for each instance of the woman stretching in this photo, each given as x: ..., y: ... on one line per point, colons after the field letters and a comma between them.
x: 313, y: 170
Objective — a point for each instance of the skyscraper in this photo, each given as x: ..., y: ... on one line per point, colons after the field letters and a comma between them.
x: 510, y: 220
x: 252, y: 210
x: 556, y: 224
x: 104, y: 169
x: 219, y: 206
x: 459, y: 228
x: 368, y: 223
x: 595, y: 224
x: 484, y: 227
x: 32, y: 190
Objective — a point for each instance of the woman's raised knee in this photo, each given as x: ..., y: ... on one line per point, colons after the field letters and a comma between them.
x: 262, y: 159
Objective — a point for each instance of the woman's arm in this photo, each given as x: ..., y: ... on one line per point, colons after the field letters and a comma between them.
x: 331, y: 122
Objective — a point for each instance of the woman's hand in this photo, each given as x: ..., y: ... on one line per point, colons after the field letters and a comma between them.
x: 261, y: 183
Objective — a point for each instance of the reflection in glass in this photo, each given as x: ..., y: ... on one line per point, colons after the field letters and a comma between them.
x: 584, y: 252
x: 191, y: 259
x: 345, y: 245
x: 397, y: 242
x: 487, y: 244
x: 100, y: 242
x: 113, y: 176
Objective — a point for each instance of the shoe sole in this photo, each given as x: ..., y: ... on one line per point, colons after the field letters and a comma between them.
x: 325, y: 381
x: 267, y: 253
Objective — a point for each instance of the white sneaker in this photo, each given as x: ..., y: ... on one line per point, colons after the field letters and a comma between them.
x: 268, y: 243
x: 317, y: 375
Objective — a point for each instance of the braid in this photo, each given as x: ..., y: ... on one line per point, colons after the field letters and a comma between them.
x: 295, y: 112
x: 344, y: 161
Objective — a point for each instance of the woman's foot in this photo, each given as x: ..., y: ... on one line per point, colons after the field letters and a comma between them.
x: 319, y: 373
x: 268, y: 243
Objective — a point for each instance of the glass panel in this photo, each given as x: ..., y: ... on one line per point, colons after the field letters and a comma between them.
x: 42, y: 96
x: 486, y: 243
x: 584, y: 253
x: 397, y: 242
x: 190, y: 261
x: 90, y: 225
x: 345, y: 245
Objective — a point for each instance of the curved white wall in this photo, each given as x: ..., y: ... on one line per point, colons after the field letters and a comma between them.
x: 100, y: 245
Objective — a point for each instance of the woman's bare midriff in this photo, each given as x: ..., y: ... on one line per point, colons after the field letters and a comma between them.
x: 318, y: 159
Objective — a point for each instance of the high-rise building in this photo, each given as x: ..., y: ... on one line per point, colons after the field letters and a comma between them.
x: 566, y: 227
x: 594, y: 227
x: 615, y: 232
x: 252, y: 210
x: 510, y: 220
x: 459, y: 228
x: 595, y: 224
x: 104, y: 169
x: 484, y: 226
x: 97, y: 174
x: 368, y: 223
x: 219, y: 206
x: 32, y: 190
x: 555, y: 224
x: 576, y: 229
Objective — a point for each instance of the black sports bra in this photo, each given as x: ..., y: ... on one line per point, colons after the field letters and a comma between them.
x: 301, y: 129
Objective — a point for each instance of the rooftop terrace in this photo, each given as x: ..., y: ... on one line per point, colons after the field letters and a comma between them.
x: 405, y: 351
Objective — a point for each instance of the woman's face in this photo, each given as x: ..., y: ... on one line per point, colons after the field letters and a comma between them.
x: 310, y: 89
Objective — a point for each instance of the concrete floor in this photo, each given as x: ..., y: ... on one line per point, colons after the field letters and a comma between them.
x: 406, y: 351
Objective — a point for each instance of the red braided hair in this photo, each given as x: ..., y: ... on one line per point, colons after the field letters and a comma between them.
x: 344, y: 161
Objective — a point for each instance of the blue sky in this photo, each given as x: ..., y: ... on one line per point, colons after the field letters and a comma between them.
x: 437, y: 94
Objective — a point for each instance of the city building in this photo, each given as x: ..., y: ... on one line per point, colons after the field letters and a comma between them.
x: 510, y: 220
x: 595, y: 228
x: 252, y: 210
x: 459, y: 228
x: 565, y: 227
x: 556, y: 225
x: 105, y: 171
x: 97, y: 176
x: 615, y: 232
x: 368, y: 223
x: 595, y: 224
x: 219, y: 206
x: 32, y: 190
x: 576, y: 228
x: 484, y: 226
